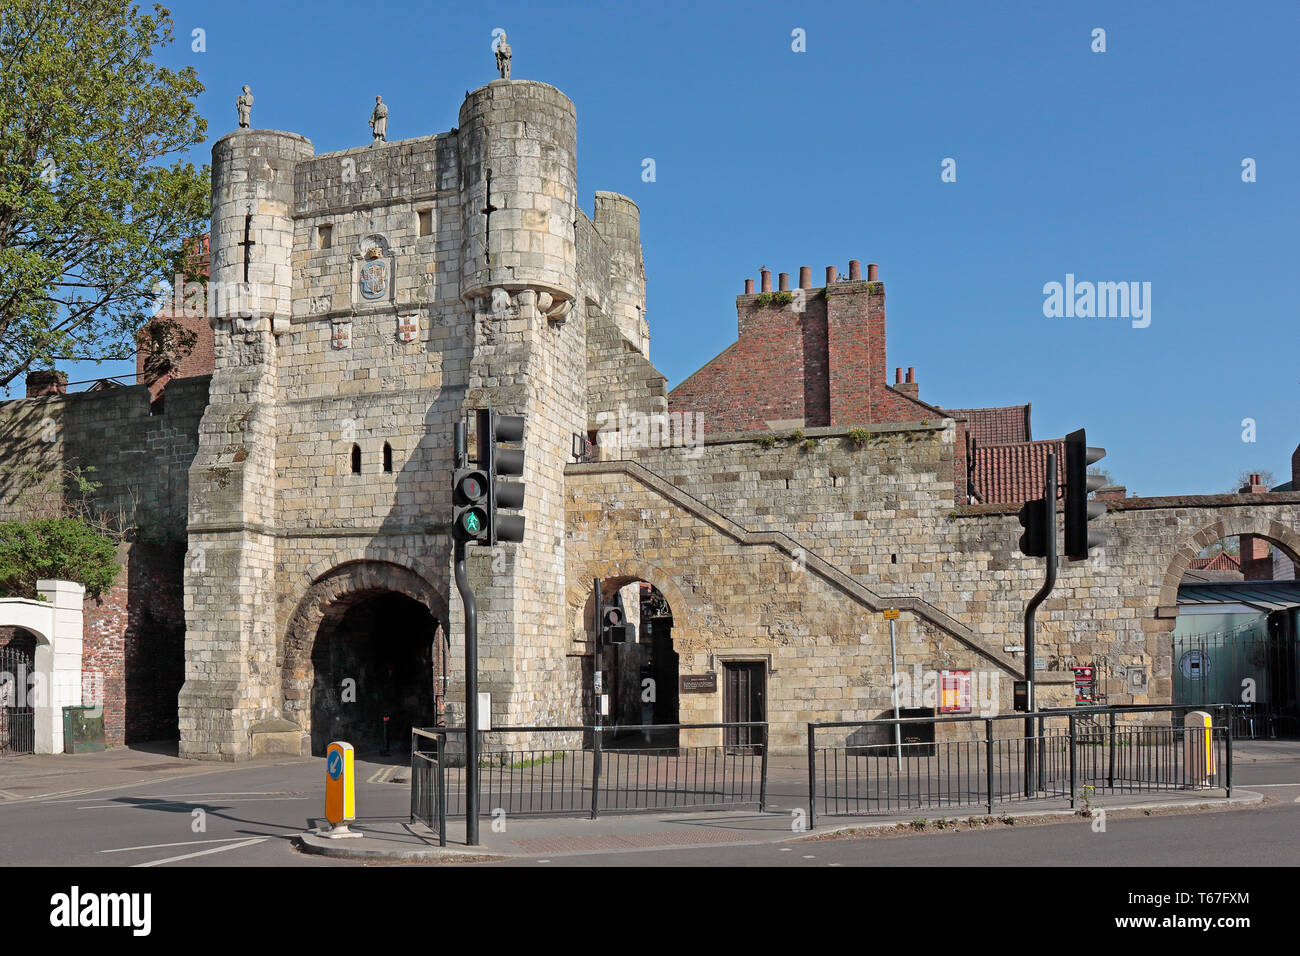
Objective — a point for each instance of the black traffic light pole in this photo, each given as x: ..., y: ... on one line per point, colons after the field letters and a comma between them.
x: 471, y: 668
x: 597, y: 675
x: 1049, y: 524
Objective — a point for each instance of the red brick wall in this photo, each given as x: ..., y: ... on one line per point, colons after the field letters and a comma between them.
x: 775, y: 371
x: 825, y: 365
x: 201, y: 360
x: 135, y: 641
x: 855, y: 343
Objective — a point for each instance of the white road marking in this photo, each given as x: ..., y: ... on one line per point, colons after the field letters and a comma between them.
x: 786, y: 849
x: 215, y: 849
x: 1251, y: 786
x: 381, y: 775
x: 182, y: 802
x: 163, y: 846
x: 66, y: 793
x: 9, y: 795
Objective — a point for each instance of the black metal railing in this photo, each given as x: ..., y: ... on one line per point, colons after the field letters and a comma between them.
x: 571, y: 770
x: 428, y: 783
x: 17, y: 717
x: 991, y: 761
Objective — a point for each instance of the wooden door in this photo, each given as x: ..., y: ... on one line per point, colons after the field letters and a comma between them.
x: 744, y: 692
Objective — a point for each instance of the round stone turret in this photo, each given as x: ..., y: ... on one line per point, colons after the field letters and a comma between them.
x: 618, y: 220
x: 526, y: 135
x: 252, y: 227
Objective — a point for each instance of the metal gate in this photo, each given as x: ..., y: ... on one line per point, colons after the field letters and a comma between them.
x: 17, y: 719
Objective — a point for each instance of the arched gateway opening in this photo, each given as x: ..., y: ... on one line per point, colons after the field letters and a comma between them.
x: 1237, y: 635
x: 639, y: 678
x: 363, y: 646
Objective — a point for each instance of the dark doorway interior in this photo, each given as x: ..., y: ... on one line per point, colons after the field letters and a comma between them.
x: 641, y: 679
x: 371, y: 660
x: 17, y: 664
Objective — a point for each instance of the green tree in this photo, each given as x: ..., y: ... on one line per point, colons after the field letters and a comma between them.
x: 93, y: 215
x: 68, y: 549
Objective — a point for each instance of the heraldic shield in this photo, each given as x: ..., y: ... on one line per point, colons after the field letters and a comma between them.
x: 374, y: 279
x: 408, y: 327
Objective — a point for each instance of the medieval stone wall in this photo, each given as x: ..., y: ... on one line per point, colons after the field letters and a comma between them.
x: 134, y: 633
x: 620, y: 380
x: 742, y: 596
x: 880, y: 511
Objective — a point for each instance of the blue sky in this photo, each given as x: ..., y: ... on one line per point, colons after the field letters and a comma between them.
x: 1115, y: 166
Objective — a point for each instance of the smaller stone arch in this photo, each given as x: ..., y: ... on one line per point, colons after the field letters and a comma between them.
x: 617, y: 573
x: 1230, y: 526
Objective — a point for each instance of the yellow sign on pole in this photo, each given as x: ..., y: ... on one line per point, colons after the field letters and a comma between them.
x: 891, y: 614
x: 1198, y: 744
x: 340, y: 785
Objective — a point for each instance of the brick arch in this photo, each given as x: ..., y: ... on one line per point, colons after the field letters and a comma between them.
x: 626, y: 571
x: 331, y: 594
x: 1230, y: 526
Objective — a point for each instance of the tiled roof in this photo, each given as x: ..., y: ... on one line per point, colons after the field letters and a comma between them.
x: 1191, y: 576
x: 1011, y: 473
x: 996, y: 426
x: 1223, y: 561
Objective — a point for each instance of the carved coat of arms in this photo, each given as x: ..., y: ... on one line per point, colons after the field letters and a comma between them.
x: 408, y: 327
x: 374, y: 279
x: 342, y: 337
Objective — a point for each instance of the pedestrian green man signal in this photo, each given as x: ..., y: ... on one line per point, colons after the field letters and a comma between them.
x: 478, y: 493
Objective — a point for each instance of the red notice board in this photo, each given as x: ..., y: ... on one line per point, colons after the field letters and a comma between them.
x: 954, y: 692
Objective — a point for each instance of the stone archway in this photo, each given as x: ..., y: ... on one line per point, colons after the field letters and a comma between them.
x: 54, y: 624
x: 366, y: 640
x: 1276, y: 533
x: 641, y: 678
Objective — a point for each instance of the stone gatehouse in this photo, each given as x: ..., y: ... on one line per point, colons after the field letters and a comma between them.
x: 363, y: 301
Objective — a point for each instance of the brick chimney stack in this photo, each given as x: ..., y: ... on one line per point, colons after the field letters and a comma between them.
x: 1256, y: 561
x: 908, y: 386
x: 46, y: 382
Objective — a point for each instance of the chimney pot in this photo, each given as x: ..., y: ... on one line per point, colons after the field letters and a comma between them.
x: 873, y: 271
x: 46, y: 382
x: 898, y: 376
x: 911, y: 373
x: 830, y: 275
x: 855, y: 270
x: 766, y: 276
x: 783, y: 282
x: 749, y: 287
x: 805, y: 277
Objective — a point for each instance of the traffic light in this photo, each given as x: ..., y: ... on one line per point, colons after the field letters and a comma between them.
x: 1079, y: 511
x: 469, y: 492
x: 614, y: 628
x: 502, y: 462
x: 1033, y: 518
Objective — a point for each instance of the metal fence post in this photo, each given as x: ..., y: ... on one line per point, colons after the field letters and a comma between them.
x: 762, y: 784
x: 988, y: 764
x: 812, y: 776
x: 1227, y: 760
x: 1073, y: 778
x: 414, y: 778
x: 595, y: 773
x: 440, y: 790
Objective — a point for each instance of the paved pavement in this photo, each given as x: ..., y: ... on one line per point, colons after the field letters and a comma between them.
x: 145, y: 807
